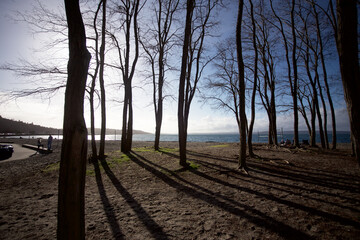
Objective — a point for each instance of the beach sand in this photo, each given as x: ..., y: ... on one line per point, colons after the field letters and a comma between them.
x: 289, y: 194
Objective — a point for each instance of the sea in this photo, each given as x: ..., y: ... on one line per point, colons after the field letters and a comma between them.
x: 258, y: 137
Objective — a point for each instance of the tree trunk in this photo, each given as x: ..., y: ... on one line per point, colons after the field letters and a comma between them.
x: 71, y: 220
x: 313, y: 120
x: 295, y: 80
x: 273, y: 114
x: 252, y: 121
x: 325, y: 135
x: 242, y: 128
x: 127, y: 123
x: 321, y: 50
x: 102, y: 86
x: 92, y: 88
x: 124, y: 122
x: 159, y: 110
x: 349, y: 64
x: 181, y: 102
x: 321, y: 131
x: 92, y: 121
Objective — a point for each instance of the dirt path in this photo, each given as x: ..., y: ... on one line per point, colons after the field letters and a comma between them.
x: 288, y: 194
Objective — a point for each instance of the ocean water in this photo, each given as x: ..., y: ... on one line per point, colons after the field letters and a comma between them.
x: 342, y: 137
x: 262, y: 137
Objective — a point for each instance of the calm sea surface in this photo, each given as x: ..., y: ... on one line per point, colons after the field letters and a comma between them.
x: 342, y: 137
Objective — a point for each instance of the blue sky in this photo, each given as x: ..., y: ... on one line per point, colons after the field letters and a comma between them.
x: 17, y: 42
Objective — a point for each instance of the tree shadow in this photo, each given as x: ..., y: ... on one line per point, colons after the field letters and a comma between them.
x: 277, y: 185
x: 218, y: 200
x: 155, y: 230
x: 308, y: 177
x: 285, y: 173
x: 291, y: 172
x: 110, y: 214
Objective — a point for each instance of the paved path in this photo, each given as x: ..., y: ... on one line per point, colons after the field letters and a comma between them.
x: 19, y: 153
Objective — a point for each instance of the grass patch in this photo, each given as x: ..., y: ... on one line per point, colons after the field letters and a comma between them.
x: 220, y: 146
x: 119, y: 159
x: 193, y: 165
x: 144, y: 149
x: 52, y: 167
x: 168, y: 150
x: 90, y: 172
x: 151, y: 149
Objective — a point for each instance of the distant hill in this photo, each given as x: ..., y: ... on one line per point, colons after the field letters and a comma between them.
x: 19, y: 127
x: 8, y: 126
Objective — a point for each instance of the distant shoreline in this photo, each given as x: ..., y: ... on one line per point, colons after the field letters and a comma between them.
x: 342, y: 137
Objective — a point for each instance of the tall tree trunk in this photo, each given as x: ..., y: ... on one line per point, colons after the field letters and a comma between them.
x: 159, y: 110
x: 93, y: 84
x: 325, y: 134
x: 124, y: 121
x: 92, y: 121
x: 252, y: 121
x: 130, y: 123
x: 242, y: 128
x: 273, y: 113
x: 317, y: 105
x: 321, y: 50
x: 321, y: 131
x: 349, y: 64
x: 313, y: 120
x: 294, y: 86
x: 181, y: 101
x: 102, y: 85
x: 128, y: 74
x: 71, y: 220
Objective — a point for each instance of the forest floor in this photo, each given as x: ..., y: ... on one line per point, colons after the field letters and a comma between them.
x: 305, y: 193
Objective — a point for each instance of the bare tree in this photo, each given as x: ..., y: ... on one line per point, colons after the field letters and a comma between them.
x: 294, y: 82
x: 313, y: 103
x: 92, y: 90
x: 223, y: 85
x: 266, y: 87
x: 310, y: 56
x: 157, y: 44
x: 195, y: 64
x: 71, y: 222
x: 101, y: 81
x: 287, y: 45
x: 305, y: 96
x: 128, y: 12
x: 254, y: 42
x: 46, y: 75
x: 325, y: 78
x: 347, y: 38
x: 183, y: 72
x: 242, y: 116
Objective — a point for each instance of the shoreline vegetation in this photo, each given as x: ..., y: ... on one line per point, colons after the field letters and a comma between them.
x: 306, y: 193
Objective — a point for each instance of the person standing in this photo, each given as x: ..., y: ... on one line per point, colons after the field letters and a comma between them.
x: 50, y: 138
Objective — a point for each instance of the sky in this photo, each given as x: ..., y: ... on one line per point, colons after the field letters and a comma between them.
x: 16, y: 41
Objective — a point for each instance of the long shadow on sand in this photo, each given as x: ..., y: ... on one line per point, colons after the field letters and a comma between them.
x: 227, y: 204
x: 278, y: 185
x: 283, y: 173
x: 312, y: 177
x: 155, y: 230
x: 115, y: 228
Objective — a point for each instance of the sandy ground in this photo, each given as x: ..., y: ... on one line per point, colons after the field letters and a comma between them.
x: 288, y: 194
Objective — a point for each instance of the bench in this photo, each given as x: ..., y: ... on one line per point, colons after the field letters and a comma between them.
x: 40, y: 149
